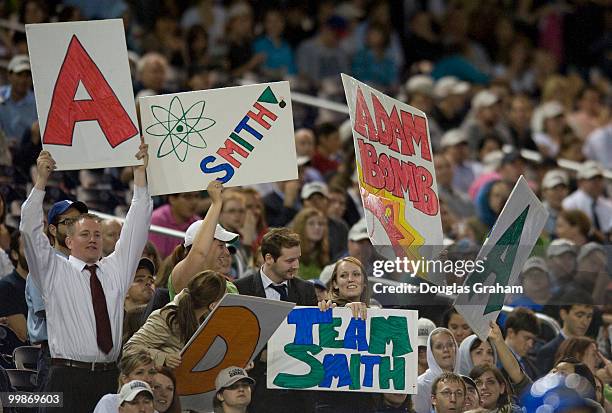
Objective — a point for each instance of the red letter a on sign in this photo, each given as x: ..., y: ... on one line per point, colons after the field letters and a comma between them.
x: 104, y: 106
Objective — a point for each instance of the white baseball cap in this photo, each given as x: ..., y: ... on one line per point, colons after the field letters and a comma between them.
x: 130, y: 390
x: 359, y: 231
x: 453, y: 137
x: 312, y: 188
x: 420, y: 84
x: 588, y: 170
x: 220, y: 233
x: 554, y: 178
x: 19, y: 63
x: 229, y: 376
x: 425, y: 327
x: 560, y: 246
x: 484, y: 99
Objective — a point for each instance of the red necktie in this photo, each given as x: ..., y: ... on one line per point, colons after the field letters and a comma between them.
x: 104, y: 333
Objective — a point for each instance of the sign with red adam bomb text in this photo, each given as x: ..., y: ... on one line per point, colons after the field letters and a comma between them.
x: 396, y: 171
x: 84, y: 94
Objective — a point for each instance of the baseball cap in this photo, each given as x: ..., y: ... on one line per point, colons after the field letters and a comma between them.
x: 589, y: 169
x: 425, y: 327
x: 19, y: 63
x: 453, y: 137
x: 359, y: 231
x: 589, y: 248
x: 510, y: 157
x: 312, y: 188
x: 420, y: 84
x: 484, y: 99
x: 535, y: 263
x: 554, y: 178
x: 62, y: 206
x: 221, y: 233
x: 560, y: 246
x: 147, y: 263
x: 444, y: 86
x: 551, y: 110
x: 229, y: 376
x: 318, y: 283
x: 130, y: 390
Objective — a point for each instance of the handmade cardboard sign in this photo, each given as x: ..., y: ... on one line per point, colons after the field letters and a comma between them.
x: 232, y: 335
x: 504, y: 253
x: 396, y: 173
x: 315, y: 350
x: 237, y: 135
x: 84, y: 94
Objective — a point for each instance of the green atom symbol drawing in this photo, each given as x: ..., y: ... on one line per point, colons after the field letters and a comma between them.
x: 179, y: 128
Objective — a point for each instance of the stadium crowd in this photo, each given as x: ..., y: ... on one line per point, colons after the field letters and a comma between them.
x: 509, y: 88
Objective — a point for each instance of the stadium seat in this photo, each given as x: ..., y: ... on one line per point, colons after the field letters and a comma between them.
x: 22, y: 380
x: 26, y: 357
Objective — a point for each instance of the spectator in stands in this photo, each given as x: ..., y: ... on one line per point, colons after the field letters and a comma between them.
x: 57, y: 219
x: 393, y: 403
x: 84, y: 344
x: 588, y: 115
x: 137, y: 366
x: 486, y: 108
x: 277, y: 280
x: 348, y: 287
x: 305, y: 142
x: 279, y: 62
x: 178, y: 214
x: 456, y: 324
x: 576, y: 313
x: 449, y: 109
x: 454, y: 145
x: 111, y: 228
x: 336, y: 207
x: 234, y: 388
x: 328, y: 145
x: 574, y: 225
x: 561, y: 260
x: 206, y: 246
x: 458, y: 202
x: 549, y: 137
x: 420, y: 89
x: 12, y: 290
x: 311, y: 226
x: 441, y: 357
x: 495, y: 393
x: 555, y: 185
x: 590, y: 199
x: 591, y: 271
x: 167, y: 330
x: 5, y: 230
x: 598, y: 146
x: 142, y: 288
x: 136, y: 397
x: 319, y: 58
x: 152, y: 72
x: 519, y: 122
x: 232, y: 218
x: 425, y: 327
x: 164, y: 389
x: 151, y: 253
x: 282, y: 203
x: 371, y: 65
x: 537, y: 284
x: 316, y: 195
x: 17, y: 103
x: 448, y: 393
x: 474, y: 352
x: 472, y: 398
x: 584, y: 350
x: 489, y: 203
x: 239, y: 35
x: 522, y: 330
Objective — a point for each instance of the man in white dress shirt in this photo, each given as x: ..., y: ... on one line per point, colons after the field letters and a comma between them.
x: 84, y: 294
x: 589, y: 197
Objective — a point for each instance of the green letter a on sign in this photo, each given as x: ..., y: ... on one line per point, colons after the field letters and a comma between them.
x: 500, y: 261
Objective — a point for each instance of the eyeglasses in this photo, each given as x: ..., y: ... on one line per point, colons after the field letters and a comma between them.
x: 447, y: 393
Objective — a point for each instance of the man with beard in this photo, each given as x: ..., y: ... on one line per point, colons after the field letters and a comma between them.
x: 277, y: 280
x: 12, y: 290
x: 57, y: 217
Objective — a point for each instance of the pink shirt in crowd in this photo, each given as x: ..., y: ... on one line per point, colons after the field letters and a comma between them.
x: 163, y: 217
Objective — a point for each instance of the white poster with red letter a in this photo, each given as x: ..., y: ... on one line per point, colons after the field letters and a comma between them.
x: 84, y: 93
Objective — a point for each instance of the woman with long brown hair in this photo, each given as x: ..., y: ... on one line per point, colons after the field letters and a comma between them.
x: 168, y: 329
x: 311, y: 225
x: 164, y: 390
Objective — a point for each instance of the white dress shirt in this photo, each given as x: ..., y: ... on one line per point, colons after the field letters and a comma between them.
x: 271, y: 293
x: 64, y: 283
x: 580, y: 200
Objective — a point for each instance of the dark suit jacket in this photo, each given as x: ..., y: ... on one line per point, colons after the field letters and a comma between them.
x: 300, y: 292
x: 546, y: 355
x: 267, y: 400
